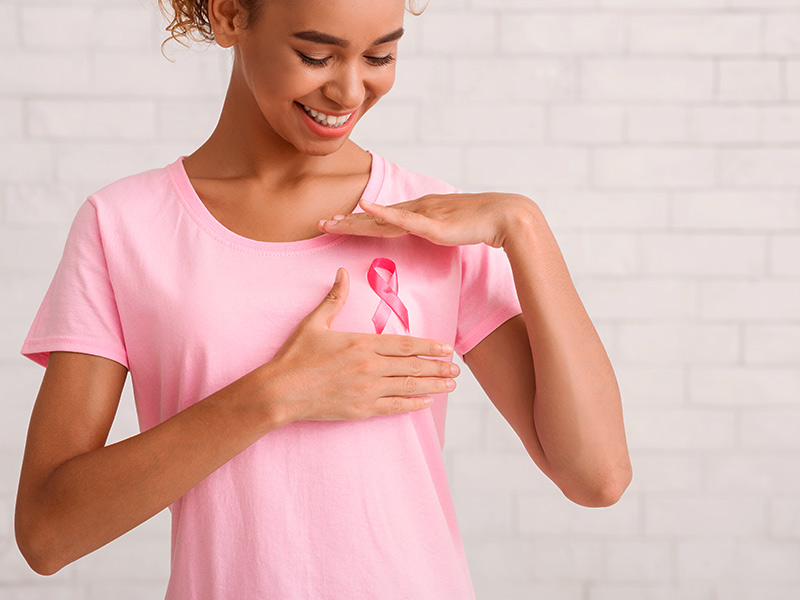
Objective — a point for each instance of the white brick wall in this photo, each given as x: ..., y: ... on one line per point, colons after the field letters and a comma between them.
x: 661, y: 139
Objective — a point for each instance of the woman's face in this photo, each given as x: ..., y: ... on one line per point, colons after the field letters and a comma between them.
x: 289, y: 58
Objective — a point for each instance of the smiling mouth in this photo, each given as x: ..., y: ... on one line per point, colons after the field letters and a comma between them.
x: 331, y: 121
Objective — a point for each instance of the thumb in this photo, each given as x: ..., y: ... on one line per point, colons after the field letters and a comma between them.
x: 334, y: 301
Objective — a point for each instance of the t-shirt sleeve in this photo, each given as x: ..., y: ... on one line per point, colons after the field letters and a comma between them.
x: 79, y: 311
x: 488, y: 297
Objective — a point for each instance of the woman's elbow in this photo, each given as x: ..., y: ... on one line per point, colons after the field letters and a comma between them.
x: 603, y: 492
x: 36, y: 546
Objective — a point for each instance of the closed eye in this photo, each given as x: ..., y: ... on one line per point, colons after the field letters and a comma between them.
x: 321, y: 62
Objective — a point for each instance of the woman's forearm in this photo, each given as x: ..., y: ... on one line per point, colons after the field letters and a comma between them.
x: 577, y: 407
x: 98, y: 496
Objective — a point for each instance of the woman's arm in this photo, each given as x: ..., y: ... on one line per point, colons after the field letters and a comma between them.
x: 76, y: 495
x: 577, y: 408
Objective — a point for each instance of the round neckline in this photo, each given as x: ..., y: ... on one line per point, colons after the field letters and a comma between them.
x: 209, y: 223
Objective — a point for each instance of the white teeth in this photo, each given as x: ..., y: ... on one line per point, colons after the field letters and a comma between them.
x: 327, y: 120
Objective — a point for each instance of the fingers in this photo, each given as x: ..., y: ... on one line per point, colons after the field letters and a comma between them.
x: 389, y: 344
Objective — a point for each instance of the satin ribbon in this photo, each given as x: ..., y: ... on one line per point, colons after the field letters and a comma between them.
x: 387, y: 292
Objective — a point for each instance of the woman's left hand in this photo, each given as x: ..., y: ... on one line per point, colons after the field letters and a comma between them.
x: 444, y: 219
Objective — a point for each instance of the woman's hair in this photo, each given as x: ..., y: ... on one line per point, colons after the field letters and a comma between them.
x: 191, y: 16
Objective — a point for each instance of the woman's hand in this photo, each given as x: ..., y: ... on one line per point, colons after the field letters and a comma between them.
x: 444, y: 219
x: 319, y: 374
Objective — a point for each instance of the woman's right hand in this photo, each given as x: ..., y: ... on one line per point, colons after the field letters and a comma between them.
x: 322, y: 375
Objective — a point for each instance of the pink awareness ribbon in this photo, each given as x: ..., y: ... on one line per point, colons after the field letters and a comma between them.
x: 387, y: 292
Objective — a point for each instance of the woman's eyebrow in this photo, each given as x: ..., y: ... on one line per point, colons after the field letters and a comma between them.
x: 318, y: 37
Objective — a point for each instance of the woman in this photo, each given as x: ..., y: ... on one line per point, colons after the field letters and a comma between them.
x: 298, y: 442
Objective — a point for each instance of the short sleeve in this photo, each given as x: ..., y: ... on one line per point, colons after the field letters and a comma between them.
x: 79, y: 311
x: 488, y: 297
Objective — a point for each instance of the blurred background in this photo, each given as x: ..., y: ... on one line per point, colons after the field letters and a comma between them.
x: 661, y: 138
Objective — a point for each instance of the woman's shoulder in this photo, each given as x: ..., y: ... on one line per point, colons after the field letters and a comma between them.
x: 134, y: 192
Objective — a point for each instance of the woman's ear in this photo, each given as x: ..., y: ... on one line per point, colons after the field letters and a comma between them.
x: 227, y: 18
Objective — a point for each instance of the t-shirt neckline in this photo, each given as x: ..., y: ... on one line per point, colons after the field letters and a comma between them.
x: 201, y: 215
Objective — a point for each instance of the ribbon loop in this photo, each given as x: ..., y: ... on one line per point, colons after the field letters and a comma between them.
x: 387, y: 292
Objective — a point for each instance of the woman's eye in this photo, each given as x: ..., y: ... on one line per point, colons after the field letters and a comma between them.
x: 316, y: 62
x: 381, y: 60
x: 321, y: 62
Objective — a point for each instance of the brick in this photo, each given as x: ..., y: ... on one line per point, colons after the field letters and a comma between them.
x: 564, y: 560
x: 756, y: 591
x: 137, y: 75
x: 9, y: 18
x: 780, y: 33
x: 492, y: 559
x: 684, y: 5
x: 514, y: 78
x: 638, y: 299
x: 667, y: 428
x: 498, y: 471
x: 466, y: 121
x: 526, y: 166
x: 44, y: 72
x: 25, y: 162
x: 485, y: 513
x: 751, y: 561
x: 656, y: 124
x: 562, y: 33
x: 655, y: 473
x: 42, y: 203
x: 11, y: 117
x: 701, y: 516
x: 637, y: 560
x: 749, y: 80
x: 82, y: 119
x: 764, y: 166
x: 677, y: 167
x: 725, y: 124
x: 792, y: 79
x: 190, y: 119
x: 735, y: 385
x: 586, y: 123
x: 464, y: 426
x: 761, y: 300
x: 772, y: 344
x: 774, y: 429
x: 784, y: 518
x: 541, y: 515
x: 106, y: 161
x: 600, y: 253
x: 734, y: 210
x: 783, y: 255
x: 494, y: 588
x: 676, y: 343
x: 604, y: 210
x: 420, y: 78
x: 458, y: 33
x: 635, y: 79
x: 709, y: 255
x: 696, y: 34
x: 650, y: 591
x: 781, y: 124
x: 745, y: 474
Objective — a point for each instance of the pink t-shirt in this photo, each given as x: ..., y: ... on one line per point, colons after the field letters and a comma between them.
x: 316, y: 509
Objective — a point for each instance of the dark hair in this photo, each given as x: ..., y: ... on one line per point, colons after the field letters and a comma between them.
x: 191, y: 16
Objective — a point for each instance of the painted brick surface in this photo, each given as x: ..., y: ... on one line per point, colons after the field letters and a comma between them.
x: 661, y: 138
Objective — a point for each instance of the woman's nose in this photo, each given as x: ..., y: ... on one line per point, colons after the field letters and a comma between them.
x: 346, y: 87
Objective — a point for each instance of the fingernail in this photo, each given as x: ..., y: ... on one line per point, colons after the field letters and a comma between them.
x: 338, y: 217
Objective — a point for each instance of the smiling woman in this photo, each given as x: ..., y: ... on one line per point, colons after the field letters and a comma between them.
x: 293, y: 427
